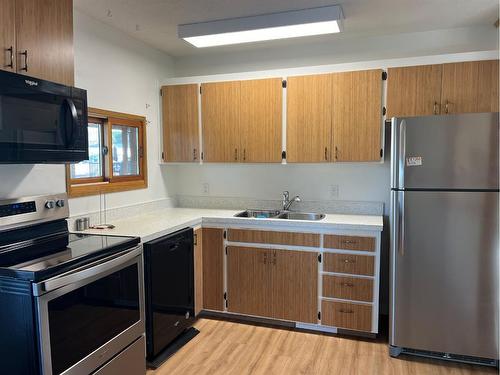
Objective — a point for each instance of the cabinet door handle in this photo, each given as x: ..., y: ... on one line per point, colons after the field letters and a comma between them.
x: 326, y: 153
x: 11, y: 59
x: 349, y: 242
x: 265, y: 258
x: 274, y: 258
x: 235, y: 154
x: 244, y: 154
x: 25, y: 54
x: 436, y: 108
x: 336, y: 152
x: 446, y: 107
x: 194, y: 154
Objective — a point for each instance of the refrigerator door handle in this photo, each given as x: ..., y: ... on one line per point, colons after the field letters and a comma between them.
x: 402, y: 154
x: 394, y: 152
x: 401, y: 222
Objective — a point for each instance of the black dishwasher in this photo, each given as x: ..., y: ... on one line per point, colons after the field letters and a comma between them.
x: 169, y: 290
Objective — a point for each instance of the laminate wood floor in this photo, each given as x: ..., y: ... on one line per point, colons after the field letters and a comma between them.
x: 224, y: 347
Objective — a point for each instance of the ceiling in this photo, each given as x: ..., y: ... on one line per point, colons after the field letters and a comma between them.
x: 155, y: 21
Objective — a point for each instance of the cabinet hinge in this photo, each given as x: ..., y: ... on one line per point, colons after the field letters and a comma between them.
x: 283, y: 155
x: 225, y: 299
x: 384, y: 76
x: 225, y: 234
x: 319, y: 315
x: 319, y: 258
x: 384, y: 111
x: 283, y: 83
x: 226, y: 250
x: 161, y: 92
x: 200, y: 89
x: 163, y: 156
x: 202, y: 156
x: 381, y: 152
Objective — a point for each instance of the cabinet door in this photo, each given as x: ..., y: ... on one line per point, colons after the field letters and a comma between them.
x: 260, y: 121
x: 198, y: 271
x: 180, y: 123
x: 44, y: 31
x: 213, y: 280
x: 295, y: 285
x: 220, y: 109
x: 249, y: 288
x: 414, y: 91
x: 8, y: 35
x: 470, y: 87
x: 309, y: 118
x: 357, y: 115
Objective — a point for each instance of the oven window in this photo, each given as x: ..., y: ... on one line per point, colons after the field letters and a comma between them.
x: 83, y: 320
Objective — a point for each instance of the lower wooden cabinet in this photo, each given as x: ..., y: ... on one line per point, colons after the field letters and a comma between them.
x: 213, y: 269
x: 346, y: 315
x: 280, y: 284
x: 249, y: 275
x: 198, y: 271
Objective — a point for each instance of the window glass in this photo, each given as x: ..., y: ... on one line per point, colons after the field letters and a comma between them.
x: 91, y: 168
x: 125, y: 143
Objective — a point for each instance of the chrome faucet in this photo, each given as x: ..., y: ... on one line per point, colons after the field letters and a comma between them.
x: 287, y: 202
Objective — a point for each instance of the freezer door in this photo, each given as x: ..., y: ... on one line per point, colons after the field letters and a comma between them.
x: 445, y: 152
x: 444, y: 272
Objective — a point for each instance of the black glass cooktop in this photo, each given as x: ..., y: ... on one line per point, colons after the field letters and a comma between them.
x: 80, y: 249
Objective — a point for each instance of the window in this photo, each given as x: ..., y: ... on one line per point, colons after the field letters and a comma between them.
x: 117, y: 157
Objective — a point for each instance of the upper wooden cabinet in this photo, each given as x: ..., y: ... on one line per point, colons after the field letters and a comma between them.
x: 414, y: 91
x: 443, y: 89
x: 44, y: 39
x: 180, y: 123
x: 334, y: 117
x: 220, y: 112
x: 8, y: 35
x: 260, y: 120
x: 470, y: 87
x: 241, y: 121
x: 309, y: 118
x: 357, y: 115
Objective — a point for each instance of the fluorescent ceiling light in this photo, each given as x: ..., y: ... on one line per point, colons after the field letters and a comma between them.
x: 307, y: 22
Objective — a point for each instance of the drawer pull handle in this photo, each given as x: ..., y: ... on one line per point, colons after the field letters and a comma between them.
x: 349, y: 242
x: 349, y: 261
x: 346, y: 311
x: 350, y: 285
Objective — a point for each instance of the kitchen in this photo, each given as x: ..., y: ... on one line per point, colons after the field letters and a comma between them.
x: 181, y: 139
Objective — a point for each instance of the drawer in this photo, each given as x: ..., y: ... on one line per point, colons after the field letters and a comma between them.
x: 347, y: 263
x: 352, y: 288
x: 271, y: 237
x: 346, y: 315
x: 333, y: 241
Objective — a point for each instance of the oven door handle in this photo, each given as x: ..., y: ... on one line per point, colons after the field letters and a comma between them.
x: 85, y: 272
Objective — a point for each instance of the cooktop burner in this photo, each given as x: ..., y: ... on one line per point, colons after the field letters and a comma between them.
x: 81, y: 249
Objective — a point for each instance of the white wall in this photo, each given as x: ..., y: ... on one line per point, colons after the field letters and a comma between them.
x: 121, y: 74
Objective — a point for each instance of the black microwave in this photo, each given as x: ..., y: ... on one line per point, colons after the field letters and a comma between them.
x: 41, y: 121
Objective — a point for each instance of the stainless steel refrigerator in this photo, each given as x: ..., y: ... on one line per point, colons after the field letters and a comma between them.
x: 444, y: 237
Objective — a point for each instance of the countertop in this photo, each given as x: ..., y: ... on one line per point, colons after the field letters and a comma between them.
x: 154, y: 224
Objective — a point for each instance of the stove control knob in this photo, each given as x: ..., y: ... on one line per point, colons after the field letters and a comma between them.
x: 50, y: 204
x: 60, y: 203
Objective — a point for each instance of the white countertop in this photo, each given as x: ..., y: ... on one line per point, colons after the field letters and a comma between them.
x: 158, y: 223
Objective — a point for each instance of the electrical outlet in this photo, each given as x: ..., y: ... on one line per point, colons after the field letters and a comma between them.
x: 205, y: 188
x: 334, y: 191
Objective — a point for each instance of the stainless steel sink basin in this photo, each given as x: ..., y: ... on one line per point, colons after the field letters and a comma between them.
x: 285, y: 215
x: 300, y: 216
x: 259, y: 214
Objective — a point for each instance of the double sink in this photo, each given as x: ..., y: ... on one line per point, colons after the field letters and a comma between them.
x: 284, y: 215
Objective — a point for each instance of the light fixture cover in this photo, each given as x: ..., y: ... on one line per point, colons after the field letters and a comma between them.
x: 292, y: 24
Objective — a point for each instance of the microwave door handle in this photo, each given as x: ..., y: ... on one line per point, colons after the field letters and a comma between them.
x: 74, y: 120
x: 80, y: 274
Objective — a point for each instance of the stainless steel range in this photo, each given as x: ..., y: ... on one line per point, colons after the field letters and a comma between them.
x: 70, y: 304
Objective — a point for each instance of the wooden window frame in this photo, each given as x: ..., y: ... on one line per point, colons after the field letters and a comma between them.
x: 108, y: 183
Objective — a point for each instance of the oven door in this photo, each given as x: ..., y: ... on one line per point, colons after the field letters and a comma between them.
x: 88, y: 315
x: 41, y: 121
